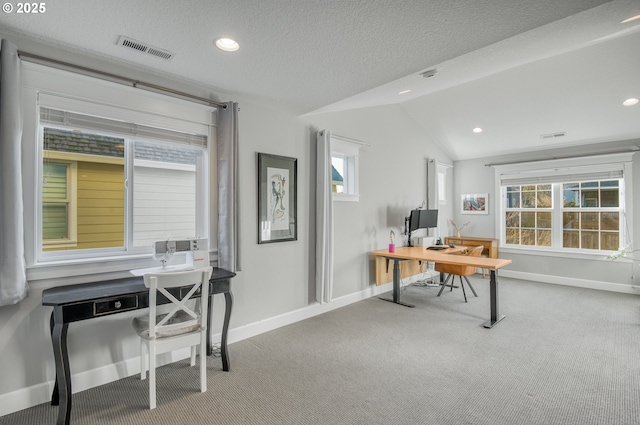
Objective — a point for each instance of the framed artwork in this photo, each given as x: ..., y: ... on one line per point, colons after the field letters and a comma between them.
x: 277, y: 198
x: 474, y: 203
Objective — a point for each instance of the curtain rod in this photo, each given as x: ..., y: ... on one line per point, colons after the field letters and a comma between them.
x: 350, y: 140
x: 30, y: 57
x: 553, y: 158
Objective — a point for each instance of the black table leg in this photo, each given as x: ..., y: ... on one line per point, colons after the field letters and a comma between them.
x: 493, y: 295
x: 55, y: 396
x: 224, y: 352
x: 228, y: 299
x: 210, y: 325
x: 396, y: 285
x: 62, y: 389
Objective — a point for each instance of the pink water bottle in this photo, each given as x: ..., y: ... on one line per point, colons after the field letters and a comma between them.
x: 392, y: 246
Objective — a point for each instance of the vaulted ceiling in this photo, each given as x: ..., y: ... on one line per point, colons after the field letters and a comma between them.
x: 519, y: 69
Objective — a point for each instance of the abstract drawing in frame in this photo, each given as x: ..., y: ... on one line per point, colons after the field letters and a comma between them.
x: 277, y: 198
x: 474, y: 203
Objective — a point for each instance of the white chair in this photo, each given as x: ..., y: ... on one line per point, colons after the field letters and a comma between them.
x: 181, y: 327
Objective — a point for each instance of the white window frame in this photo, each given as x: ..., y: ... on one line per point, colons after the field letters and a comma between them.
x: 542, y: 172
x: 349, y: 151
x: 92, y: 96
x: 71, y: 201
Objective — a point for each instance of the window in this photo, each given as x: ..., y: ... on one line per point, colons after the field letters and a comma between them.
x: 344, y: 169
x: 436, y: 183
x: 132, y: 184
x: 58, y: 204
x: 578, y: 208
x: 591, y: 215
x: 442, y: 185
x: 107, y: 169
x: 528, y: 215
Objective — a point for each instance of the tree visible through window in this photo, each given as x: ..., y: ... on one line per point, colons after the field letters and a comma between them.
x: 528, y: 215
x: 591, y: 216
x: 573, y: 215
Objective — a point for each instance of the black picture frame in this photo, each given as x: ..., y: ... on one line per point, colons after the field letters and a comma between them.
x: 277, y: 198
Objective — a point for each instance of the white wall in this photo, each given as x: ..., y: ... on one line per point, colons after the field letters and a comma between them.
x: 392, y: 182
x: 277, y: 279
x: 473, y: 176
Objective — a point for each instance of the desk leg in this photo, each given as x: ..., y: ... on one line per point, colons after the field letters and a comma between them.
x: 493, y: 295
x: 63, y: 374
x: 55, y: 395
x: 210, y: 325
x: 228, y: 299
x: 224, y: 352
x: 396, y: 285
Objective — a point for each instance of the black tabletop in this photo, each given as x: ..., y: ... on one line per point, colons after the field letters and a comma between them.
x: 108, y: 288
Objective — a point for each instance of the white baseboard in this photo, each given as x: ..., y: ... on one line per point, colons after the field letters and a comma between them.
x: 41, y: 393
x: 266, y: 325
x: 568, y: 281
x: 25, y: 398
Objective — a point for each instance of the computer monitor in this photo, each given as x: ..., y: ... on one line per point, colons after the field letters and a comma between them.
x: 428, y: 219
x: 414, y: 220
x: 423, y: 219
x: 420, y: 219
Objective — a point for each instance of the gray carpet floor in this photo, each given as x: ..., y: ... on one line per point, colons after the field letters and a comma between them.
x: 562, y: 355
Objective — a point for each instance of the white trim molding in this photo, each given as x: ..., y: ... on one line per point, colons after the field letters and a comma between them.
x: 569, y: 281
x: 41, y: 393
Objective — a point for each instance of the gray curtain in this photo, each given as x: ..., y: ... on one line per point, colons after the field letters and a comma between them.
x: 324, y: 219
x: 228, y: 189
x: 13, y: 279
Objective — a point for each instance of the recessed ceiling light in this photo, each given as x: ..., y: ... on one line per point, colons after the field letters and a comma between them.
x: 477, y: 130
x: 227, y: 44
x: 404, y: 91
x: 633, y: 18
x: 630, y: 102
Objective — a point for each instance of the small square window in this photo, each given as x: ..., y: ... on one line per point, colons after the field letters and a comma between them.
x: 344, y: 170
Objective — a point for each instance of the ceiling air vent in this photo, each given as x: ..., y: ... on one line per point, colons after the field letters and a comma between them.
x: 553, y: 135
x: 130, y: 43
x: 429, y: 73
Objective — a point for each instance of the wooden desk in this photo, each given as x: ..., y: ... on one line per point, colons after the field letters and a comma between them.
x: 73, y: 303
x: 422, y: 254
x: 384, y: 273
x: 490, y: 244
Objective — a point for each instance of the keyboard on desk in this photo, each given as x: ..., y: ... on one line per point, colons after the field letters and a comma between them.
x: 437, y: 247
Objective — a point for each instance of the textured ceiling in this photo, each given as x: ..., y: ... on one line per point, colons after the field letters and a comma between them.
x: 323, y: 55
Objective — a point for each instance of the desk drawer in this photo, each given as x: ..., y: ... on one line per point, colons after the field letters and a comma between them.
x: 185, y: 290
x: 115, y: 305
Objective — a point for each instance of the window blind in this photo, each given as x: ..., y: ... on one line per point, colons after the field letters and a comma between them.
x: 87, y: 122
x: 564, y: 175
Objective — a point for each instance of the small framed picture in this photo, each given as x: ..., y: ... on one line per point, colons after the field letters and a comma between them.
x: 474, y: 203
x: 277, y: 198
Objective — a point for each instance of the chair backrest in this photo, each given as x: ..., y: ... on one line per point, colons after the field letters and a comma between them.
x: 181, y: 318
x: 460, y: 270
x: 476, y: 251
